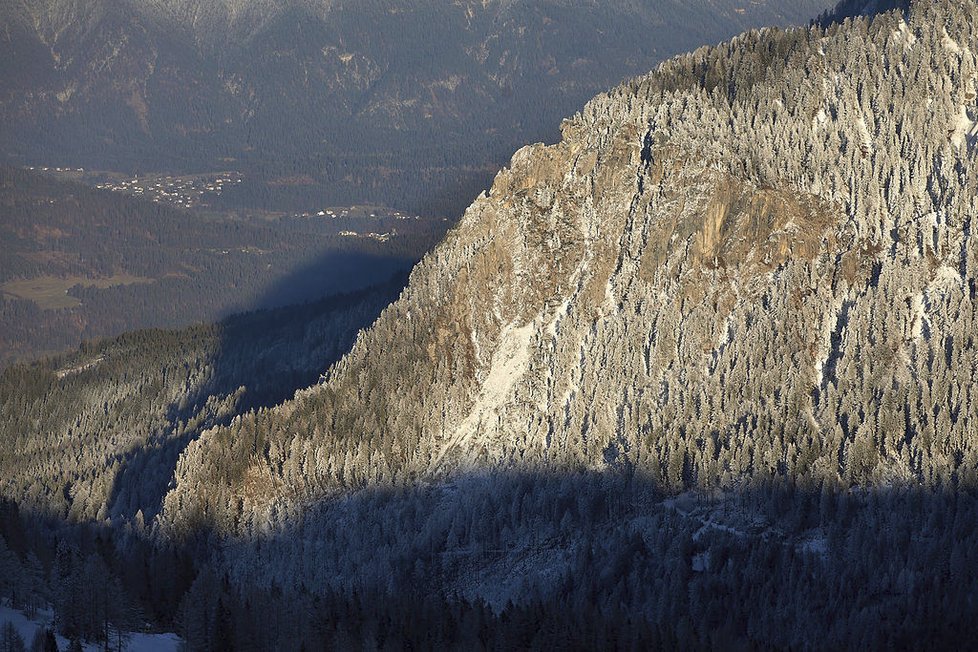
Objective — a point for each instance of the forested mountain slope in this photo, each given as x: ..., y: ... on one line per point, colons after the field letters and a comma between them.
x: 753, y: 267
x: 93, y: 436
x: 754, y: 262
x: 407, y: 103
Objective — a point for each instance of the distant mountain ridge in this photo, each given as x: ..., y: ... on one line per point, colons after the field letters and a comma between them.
x: 408, y: 103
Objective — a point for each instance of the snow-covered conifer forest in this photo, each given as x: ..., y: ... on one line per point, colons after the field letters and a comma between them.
x: 699, y: 375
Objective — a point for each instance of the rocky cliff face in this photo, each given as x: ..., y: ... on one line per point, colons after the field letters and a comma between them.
x: 755, y: 262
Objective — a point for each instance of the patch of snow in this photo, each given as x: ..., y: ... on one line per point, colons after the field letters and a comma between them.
x: 945, y: 281
x: 949, y: 43
x: 138, y: 641
x: 903, y: 33
x: 821, y: 117
x: 918, y: 317
x: 708, y: 524
x: 477, y: 350
x: 867, y: 139
x: 68, y: 371
x: 509, y: 363
x: 686, y: 506
x: 946, y: 275
x: 561, y: 312
x: 24, y: 626
x: 964, y: 131
x: 503, y: 579
x: 816, y: 544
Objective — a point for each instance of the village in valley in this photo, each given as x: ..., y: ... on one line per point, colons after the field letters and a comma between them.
x: 360, y: 212
x: 182, y: 191
x: 197, y: 191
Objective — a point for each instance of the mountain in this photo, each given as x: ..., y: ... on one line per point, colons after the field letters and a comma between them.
x: 698, y: 375
x: 142, y: 396
x: 753, y: 267
x: 756, y: 260
x: 404, y: 103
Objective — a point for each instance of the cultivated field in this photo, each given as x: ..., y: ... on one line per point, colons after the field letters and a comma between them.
x: 51, y: 292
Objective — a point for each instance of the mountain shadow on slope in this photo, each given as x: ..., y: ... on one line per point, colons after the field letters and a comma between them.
x: 557, y: 560
x: 105, y: 427
x: 123, y: 409
x: 587, y: 560
x: 262, y: 358
x: 854, y: 8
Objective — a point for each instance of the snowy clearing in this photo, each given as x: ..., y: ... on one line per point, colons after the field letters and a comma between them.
x: 138, y: 642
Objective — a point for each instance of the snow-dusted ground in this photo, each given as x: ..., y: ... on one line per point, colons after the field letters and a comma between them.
x: 965, y: 130
x: 509, y: 364
x: 505, y: 577
x: 721, y: 515
x: 138, y: 642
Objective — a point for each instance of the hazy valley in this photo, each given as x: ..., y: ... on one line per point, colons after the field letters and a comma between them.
x: 82, y: 263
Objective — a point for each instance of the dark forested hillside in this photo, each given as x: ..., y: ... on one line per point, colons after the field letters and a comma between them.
x: 78, y: 263
x: 406, y: 103
x: 90, y: 441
